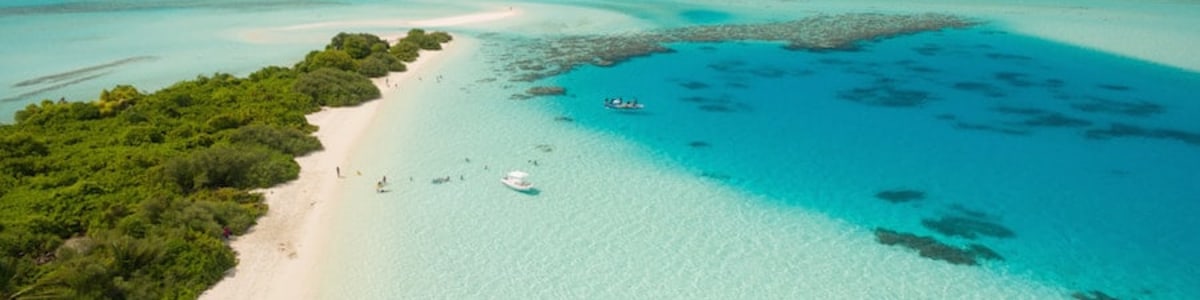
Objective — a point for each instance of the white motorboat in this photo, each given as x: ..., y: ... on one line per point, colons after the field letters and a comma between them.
x: 621, y: 104
x: 516, y: 180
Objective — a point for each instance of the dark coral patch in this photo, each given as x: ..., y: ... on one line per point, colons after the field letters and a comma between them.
x: 927, y: 247
x: 900, y: 196
x: 1129, y: 108
x: 546, y: 91
x: 979, y: 87
x: 768, y: 72
x: 989, y: 128
x: 1113, y: 87
x: 1042, y: 118
x: 694, y: 85
x: 1056, y: 120
x: 1006, y: 56
x: 1127, y: 130
x: 886, y: 95
x: 928, y: 50
x: 984, y: 252
x: 967, y: 227
x: 803, y: 72
x: 715, y: 175
x: 922, y: 69
x: 717, y: 108
x: 835, y: 61
x: 1092, y: 295
x: 1054, y: 83
x: 946, y: 117
x: 727, y: 66
x: 1019, y: 110
x: 969, y: 212
x: 1013, y: 78
x: 699, y: 144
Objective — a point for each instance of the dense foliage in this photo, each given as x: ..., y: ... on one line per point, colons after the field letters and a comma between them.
x: 126, y: 197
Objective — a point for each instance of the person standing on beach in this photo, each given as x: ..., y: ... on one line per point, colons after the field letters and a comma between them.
x: 338, y: 169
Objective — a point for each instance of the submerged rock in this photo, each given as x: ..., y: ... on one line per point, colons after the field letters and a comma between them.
x: 927, y: 247
x: 546, y: 90
x: 900, y: 196
x: 967, y: 227
x: 1092, y: 295
x: 1129, y: 130
x: 984, y: 252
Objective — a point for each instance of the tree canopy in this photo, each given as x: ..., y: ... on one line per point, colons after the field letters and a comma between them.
x: 125, y: 197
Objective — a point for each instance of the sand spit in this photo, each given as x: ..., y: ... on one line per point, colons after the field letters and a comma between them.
x: 278, y: 257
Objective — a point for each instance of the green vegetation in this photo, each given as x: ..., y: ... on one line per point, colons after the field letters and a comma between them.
x: 126, y: 197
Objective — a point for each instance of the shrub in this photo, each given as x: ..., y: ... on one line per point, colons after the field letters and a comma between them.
x: 336, y: 59
x: 286, y: 140
x: 334, y: 87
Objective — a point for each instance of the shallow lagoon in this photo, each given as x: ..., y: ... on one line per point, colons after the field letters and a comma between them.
x: 753, y: 169
x: 1009, y: 133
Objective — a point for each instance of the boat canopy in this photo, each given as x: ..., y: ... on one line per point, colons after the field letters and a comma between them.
x: 518, y: 174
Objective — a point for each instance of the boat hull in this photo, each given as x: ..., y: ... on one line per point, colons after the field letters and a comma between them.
x: 518, y: 186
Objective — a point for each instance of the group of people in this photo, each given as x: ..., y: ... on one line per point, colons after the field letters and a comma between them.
x: 379, y: 185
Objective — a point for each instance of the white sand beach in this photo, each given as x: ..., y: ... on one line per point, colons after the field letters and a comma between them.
x: 278, y: 255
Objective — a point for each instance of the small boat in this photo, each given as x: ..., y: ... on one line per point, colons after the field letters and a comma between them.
x: 621, y: 104
x: 516, y: 181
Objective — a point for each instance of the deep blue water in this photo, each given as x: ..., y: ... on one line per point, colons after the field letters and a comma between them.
x: 1091, y: 161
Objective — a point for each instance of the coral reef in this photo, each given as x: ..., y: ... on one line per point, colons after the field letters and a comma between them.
x: 984, y: 252
x: 931, y: 248
x: 816, y: 33
x: 1127, y: 130
x: 980, y: 87
x: 984, y: 127
x: 693, y: 85
x: 546, y: 90
x: 1113, y: 87
x: 900, y: 196
x: 886, y: 95
x: 1056, y: 120
x: 1092, y: 295
x: 967, y: 227
x: 1137, y: 108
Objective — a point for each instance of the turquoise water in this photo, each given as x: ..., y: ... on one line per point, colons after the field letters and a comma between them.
x: 613, y: 218
x: 752, y: 173
x: 959, y: 115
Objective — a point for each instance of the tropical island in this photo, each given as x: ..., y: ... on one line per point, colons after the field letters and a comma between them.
x: 133, y: 195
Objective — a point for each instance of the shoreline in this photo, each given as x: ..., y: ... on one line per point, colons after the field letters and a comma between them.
x: 277, y: 258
